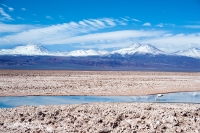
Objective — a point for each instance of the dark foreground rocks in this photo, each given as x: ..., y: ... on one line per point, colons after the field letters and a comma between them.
x: 102, y: 118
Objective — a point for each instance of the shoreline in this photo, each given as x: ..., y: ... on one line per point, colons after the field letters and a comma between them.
x: 97, y: 95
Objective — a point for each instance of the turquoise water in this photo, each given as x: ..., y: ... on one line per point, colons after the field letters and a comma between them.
x: 180, y: 97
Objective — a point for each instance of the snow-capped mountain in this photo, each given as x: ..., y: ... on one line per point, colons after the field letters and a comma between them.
x: 138, y: 48
x: 89, y: 52
x: 32, y: 49
x: 29, y: 49
x: 192, y: 52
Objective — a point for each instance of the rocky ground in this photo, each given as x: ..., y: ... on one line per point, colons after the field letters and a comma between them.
x: 29, y: 82
x: 99, y: 117
x: 102, y: 118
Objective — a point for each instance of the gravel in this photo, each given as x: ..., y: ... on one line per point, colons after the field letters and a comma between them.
x: 102, y: 118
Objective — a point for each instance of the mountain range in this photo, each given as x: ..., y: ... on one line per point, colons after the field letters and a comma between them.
x: 134, y: 49
x: 135, y: 57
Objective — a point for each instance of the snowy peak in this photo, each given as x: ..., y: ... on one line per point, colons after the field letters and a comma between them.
x: 82, y: 52
x: 148, y: 49
x: 29, y: 49
x: 134, y: 46
x: 191, y: 52
x: 89, y: 52
x: 138, y: 48
x: 127, y: 50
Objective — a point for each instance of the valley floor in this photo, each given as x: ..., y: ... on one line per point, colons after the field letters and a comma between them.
x: 47, y: 82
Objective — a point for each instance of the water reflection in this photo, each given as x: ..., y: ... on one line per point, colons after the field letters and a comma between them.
x: 184, y: 97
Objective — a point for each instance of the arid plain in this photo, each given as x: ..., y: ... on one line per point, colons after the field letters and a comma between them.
x: 39, y: 82
x: 99, y: 117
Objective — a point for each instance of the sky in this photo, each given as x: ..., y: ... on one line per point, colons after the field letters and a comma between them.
x: 66, y: 25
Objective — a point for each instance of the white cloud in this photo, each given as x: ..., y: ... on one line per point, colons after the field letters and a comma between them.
x: 99, y: 23
x: 125, y: 19
x: 101, y: 37
x: 176, y: 42
x: 89, y: 22
x: 49, y: 17
x: 165, y: 24
x: 192, y: 26
x: 85, y: 32
x: 105, y: 45
x: 82, y: 23
x: 20, y: 18
x: 4, y: 5
x: 121, y: 22
x: 4, y: 28
x: 136, y: 20
x: 4, y: 15
x: 171, y: 25
x: 23, y: 9
x: 110, y: 22
x: 10, y: 9
x: 55, y: 32
x: 147, y: 24
x: 160, y: 25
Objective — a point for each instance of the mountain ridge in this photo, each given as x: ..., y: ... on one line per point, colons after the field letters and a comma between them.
x: 191, y: 52
x: 134, y: 49
x: 29, y: 49
x: 138, y: 48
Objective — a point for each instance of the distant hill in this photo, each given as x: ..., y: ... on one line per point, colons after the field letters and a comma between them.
x: 113, y: 62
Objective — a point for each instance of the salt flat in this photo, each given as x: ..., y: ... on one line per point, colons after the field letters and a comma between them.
x: 99, y: 117
x: 40, y: 82
x: 102, y: 118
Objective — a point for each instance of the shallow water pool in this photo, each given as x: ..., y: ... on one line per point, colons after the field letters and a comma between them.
x: 179, y: 97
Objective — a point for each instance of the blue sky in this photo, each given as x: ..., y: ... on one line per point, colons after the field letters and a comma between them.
x: 65, y: 25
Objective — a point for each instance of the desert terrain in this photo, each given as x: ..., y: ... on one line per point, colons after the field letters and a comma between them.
x: 99, y: 117
x: 40, y: 82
